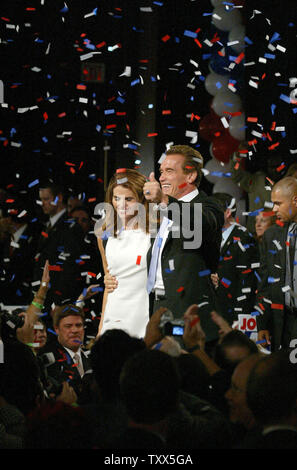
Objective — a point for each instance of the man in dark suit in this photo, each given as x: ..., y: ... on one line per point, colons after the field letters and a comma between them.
x: 276, y: 299
x: 181, y: 275
x: 71, y: 362
x: 17, y: 249
x: 272, y: 398
x: 61, y: 243
x: 237, y: 282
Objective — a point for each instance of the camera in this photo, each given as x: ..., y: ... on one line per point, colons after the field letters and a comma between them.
x: 171, y: 326
x: 10, y: 322
x: 51, y: 385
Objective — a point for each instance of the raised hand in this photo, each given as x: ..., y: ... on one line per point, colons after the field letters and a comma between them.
x: 223, y: 325
x: 152, y: 190
x: 193, y: 332
x: 153, y: 333
x: 45, y: 280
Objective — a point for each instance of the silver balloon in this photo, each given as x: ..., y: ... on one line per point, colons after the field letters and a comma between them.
x: 237, y: 126
x: 214, y: 83
x: 237, y: 34
x: 214, y: 170
x: 225, y: 19
x: 226, y: 102
x: 226, y: 185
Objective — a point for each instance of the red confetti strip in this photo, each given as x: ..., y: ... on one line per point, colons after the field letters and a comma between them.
x: 166, y: 38
x: 91, y: 274
x: 180, y: 289
x: 279, y: 222
x: 91, y: 199
x: 81, y: 87
x: 152, y: 134
x: 281, y: 167
x: 166, y: 111
x: 121, y: 170
x: 277, y: 306
x: 101, y: 44
x: 138, y: 260
x: 252, y: 119
x: 268, y: 214
x: 269, y: 137
x: 55, y: 268
x: 198, y: 43
x: 247, y: 271
x: 44, y: 234
x: 239, y: 58
x: 45, y: 115
x: 273, y: 146
x: 215, y: 38
x: 224, y: 284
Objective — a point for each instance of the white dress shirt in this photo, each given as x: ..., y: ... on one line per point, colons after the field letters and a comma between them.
x: 164, y: 231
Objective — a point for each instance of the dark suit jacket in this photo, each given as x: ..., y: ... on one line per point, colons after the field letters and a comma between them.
x: 63, y: 369
x: 232, y: 256
x: 17, y: 268
x: 275, y: 439
x: 273, y: 266
x: 187, y: 284
x: 66, y: 281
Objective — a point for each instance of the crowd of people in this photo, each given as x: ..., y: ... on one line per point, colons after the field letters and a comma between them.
x: 127, y: 335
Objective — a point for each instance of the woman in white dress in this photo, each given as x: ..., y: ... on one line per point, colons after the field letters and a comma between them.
x: 124, y: 255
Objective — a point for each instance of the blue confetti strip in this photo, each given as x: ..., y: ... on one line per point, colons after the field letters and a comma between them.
x: 190, y: 34
x: 33, y: 183
x: 206, y: 272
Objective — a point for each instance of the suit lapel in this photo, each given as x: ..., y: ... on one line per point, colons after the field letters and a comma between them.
x: 283, y: 252
x: 198, y: 198
x: 85, y: 362
x: 229, y: 242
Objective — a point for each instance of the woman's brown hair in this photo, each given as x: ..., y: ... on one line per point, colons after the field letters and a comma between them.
x: 130, y: 179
